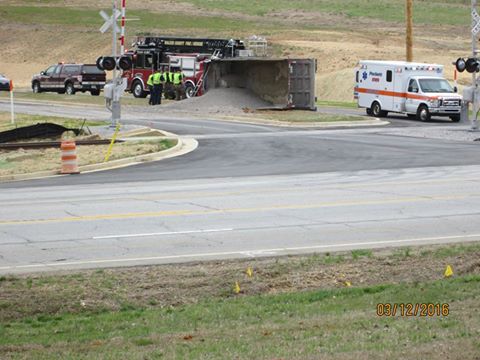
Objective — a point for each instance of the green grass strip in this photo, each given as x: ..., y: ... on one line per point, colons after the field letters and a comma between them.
x: 292, y: 325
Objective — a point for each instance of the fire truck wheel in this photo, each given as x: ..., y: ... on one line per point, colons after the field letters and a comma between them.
x: 137, y: 90
x: 423, y: 114
x: 377, y: 110
x: 69, y: 89
x: 189, y: 90
x: 36, y: 87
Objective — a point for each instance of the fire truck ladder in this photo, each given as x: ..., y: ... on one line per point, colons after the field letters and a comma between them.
x: 200, y: 82
x: 219, y: 47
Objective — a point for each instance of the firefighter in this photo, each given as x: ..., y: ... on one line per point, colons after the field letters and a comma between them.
x: 163, y: 78
x: 179, y: 85
x: 169, y: 89
x: 150, y: 88
x: 157, y: 87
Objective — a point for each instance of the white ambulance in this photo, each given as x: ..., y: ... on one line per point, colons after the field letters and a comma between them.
x: 415, y: 89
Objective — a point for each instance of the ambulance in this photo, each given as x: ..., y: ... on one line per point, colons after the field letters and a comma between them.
x: 415, y: 89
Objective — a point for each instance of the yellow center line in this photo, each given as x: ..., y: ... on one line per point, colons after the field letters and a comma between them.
x: 211, y: 194
x: 154, y: 214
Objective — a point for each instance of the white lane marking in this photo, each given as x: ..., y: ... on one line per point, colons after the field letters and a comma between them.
x: 243, y: 253
x: 256, y: 253
x: 160, y: 234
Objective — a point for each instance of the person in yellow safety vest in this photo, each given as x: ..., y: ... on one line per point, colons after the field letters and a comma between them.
x: 178, y: 83
x: 150, y: 88
x: 157, y: 87
x: 169, y: 89
x: 163, y: 79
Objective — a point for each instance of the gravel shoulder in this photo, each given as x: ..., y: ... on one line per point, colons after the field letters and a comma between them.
x: 461, y: 132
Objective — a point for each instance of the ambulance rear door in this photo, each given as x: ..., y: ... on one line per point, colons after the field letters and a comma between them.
x: 400, y: 80
x: 388, y: 89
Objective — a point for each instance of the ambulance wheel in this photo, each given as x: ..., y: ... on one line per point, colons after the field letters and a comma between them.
x: 455, y: 118
x: 377, y: 110
x: 423, y: 114
x: 137, y: 90
x: 369, y: 111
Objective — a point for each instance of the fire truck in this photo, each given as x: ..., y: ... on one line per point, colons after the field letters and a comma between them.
x: 192, y: 56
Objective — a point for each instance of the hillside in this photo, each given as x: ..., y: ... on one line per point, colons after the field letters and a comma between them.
x: 37, y: 33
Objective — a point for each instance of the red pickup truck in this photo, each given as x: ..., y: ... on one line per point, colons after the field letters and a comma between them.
x: 70, y: 78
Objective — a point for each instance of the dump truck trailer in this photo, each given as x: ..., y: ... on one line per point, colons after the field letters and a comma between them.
x: 285, y: 83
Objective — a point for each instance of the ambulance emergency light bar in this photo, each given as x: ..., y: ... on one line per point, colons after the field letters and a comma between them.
x: 412, y: 68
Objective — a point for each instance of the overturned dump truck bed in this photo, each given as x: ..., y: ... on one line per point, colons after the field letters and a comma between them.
x: 285, y: 83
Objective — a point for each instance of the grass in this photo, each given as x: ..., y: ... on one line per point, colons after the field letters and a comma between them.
x: 149, y: 21
x: 105, y: 288
x: 341, y: 104
x: 357, y: 254
x: 432, y: 12
x: 23, y: 161
x: 78, y: 98
x: 296, y: 307
x: 26, y: 119
x: 403, y: 252
x: 459, y: 249
x: 293, y: 325
x: 306, y: 116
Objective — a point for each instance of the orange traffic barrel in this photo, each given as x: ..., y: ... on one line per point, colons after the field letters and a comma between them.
x: 69, y: 157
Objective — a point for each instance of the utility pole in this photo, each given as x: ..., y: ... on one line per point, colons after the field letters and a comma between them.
x: 409, y: 39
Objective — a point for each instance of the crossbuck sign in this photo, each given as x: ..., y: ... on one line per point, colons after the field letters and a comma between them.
x: 110, y: 19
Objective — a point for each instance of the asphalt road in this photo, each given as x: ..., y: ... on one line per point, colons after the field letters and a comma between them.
x: 248, y: 190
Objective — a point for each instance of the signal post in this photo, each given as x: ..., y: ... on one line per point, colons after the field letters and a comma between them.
x: 117, y: 63
x: 471, y: 94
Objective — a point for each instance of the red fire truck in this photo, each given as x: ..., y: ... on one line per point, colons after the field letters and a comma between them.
x: 192, y: 56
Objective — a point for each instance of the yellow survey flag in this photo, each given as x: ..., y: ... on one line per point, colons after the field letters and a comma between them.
x: 448, y: 271
x: 236, y: 288
x: 249, y: 272
x: 348, y: 283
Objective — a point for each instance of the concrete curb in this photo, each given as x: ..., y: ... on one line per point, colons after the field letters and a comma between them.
x: 262, y: 121
x: 184, y: 146
x: 370, y: 122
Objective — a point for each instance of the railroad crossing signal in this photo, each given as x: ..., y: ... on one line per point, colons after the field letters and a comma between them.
x: 471, y: 65
x: 110, y: 63
x: 109, y: 19
x: 475, y: 22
